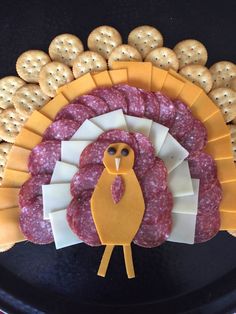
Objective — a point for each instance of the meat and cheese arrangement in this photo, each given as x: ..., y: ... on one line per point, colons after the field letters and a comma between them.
x: 113, y: 146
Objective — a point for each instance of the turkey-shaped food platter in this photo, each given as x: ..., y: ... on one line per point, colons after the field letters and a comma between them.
x: 136, y: 154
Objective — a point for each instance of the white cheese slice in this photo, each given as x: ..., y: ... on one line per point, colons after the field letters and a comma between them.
x: 88, y: 131
x: 179, y: 180
x: 55, y: 197
x: 158, y: 135
x: 71, y: 151
x: 63, y: 172
x: 111, y: 120
x: 141, y: 125
x: 62, y: 233
x: 183, y: 229
x: 187, y: 204
x: 172, y: 153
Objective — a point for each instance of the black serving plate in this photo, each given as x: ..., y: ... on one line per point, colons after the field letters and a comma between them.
x: 173, y: 278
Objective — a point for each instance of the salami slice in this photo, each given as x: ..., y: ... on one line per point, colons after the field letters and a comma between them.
x: 157, y: 223
x: 117, y: 189
x: 32, y: 188
x: 210, y: 196
x: 183, y: 121
x: 81, y: 221
x: 61, y: 130
x: 32, y: 224
x: 195, y: 139
x: 76, y: 112
x: 43, y: 157
x: 85, y: 179
x: 93, y: 153
x: 134, y: 99
x: 207, y: 226
x: 116, y: 136
x: 155, y: 180
x: 167, y: 110
x: 152, y: 108
x: 146, y: 156
x: 112, y: 97
x: 202, y: 166
x: 93, y: 102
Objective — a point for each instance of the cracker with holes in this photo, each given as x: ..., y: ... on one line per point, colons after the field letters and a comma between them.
x: 4, y: 150
x: 65, y: 48
x: 11, y: 122
x: 225, y: 98
x: 104, y: 39
x: 53, y: 75
x: 233, y: 138
x: 30, y: 63
x: 163, y: 58
x: 145, y: 38
x: 29, y: 98
x: 232, y: 84
x: 222, y: 73
x: 124, y: 53
x: 191, y: 51
x: 88, y: 61
x: 198, y: 75
x: 8, y: 86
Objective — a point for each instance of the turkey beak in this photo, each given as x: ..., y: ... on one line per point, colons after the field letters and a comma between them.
x: 117, y: 161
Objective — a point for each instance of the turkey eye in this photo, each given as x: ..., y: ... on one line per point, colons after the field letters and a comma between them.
x: 125, y: 152
x: 111, y: 150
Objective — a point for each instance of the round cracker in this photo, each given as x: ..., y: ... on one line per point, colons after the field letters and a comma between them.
x: 6, y: 247
x: 8, y: 86
x: 11, y: 122
x: 222, y: 73
x: 124, y: 53
x: 145, y: 38
x: 29, y: 98
x: 225, y: 98
x: 198, y: 75
x: 30, y: 63
x: 233, y: 138
x: 232, y: 84
x: 65, y: 48
x: 190, y: 51
x: 53, y: 75
x: 164, y: 58
x: 104, y: 39
x: 4, y: 150
x: 88, y: 61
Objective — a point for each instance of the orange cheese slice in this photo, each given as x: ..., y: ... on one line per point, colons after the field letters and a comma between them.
x: 227, y: 221
x: 119, y: 76
x: 9, y: 226
x: 178, y: 76
x: 158, y: 79
x: 14, y: 178
x: 51, y: 109
x: 8, y: 197
x: 78, y: 87
x: 228, y: 203
x: 172, y: 86
x: 37, y: 123
x: 216, y: 127
x: 189, y: 93
x: 102, y: 79
x: 203, y: 107
x: 18, y: 158
x: 139, y: 73
x: 27, y: 139
x: 226, y: 170
x: 220, y: 149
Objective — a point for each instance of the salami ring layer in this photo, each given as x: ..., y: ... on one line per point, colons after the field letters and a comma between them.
x: 43, y: 157
x: 32, y: 188
x: 152, y: 108
x: 93, y: 102
x: 112, y: 97
x: 195, y: 139
x: 61, y: 130
x: 76, y: 112
x: 32, y: 224
x: 167, y: 110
